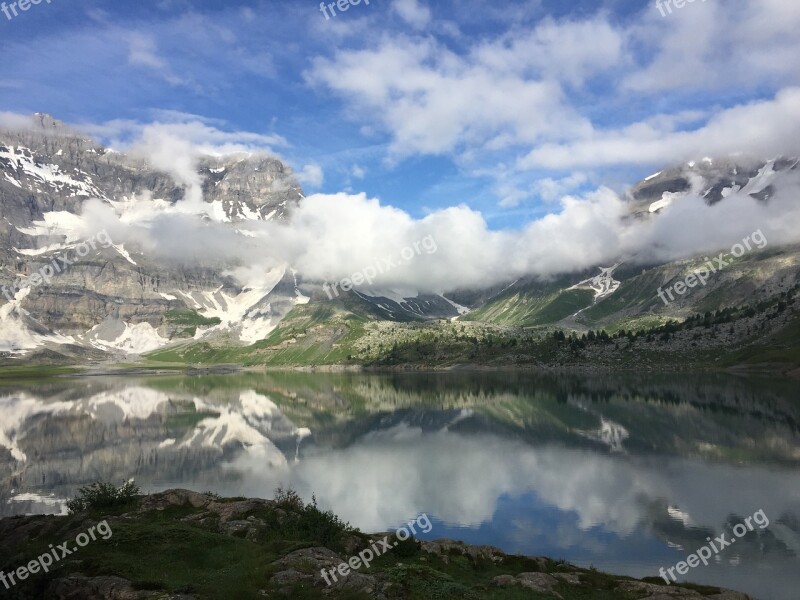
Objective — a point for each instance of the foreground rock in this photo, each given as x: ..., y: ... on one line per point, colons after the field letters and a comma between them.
x: 183, y: 545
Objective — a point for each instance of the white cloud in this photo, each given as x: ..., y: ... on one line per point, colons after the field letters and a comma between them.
x: 330, y: 237
x: 433, y: 101
x: 550, y: 189
x: 204, y: 134
x: 513, y: 188
x: 142, y: 52
x: 247, y: 14
x: 506, y: 92
x: 176, y: 156
x: 175, y: 144
x: 569, y: 51
x: 412, y: 12
x: 311, y: 175
x: 740, y: 44
x: 763, y: 129
x: 16, y: 121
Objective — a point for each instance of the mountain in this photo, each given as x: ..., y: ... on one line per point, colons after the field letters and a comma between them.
x: 627, y: 294
x: 712, y: 180
x: 112, y: 299
x: 108, y: 300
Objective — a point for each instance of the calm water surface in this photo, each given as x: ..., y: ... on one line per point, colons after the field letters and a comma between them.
x: 624, y: 473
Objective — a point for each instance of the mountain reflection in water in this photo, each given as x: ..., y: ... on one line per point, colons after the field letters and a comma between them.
x: 628, y: 473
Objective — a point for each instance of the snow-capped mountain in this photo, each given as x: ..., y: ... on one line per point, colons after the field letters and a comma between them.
x: 712, y: 180
x: 117, y: 297
x: 120, y: 299
x: 113, y: 298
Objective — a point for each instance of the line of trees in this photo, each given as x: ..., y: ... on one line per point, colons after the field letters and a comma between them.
x: 708, y: 320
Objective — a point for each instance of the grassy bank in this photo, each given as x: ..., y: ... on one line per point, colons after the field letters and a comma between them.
x: 190, y: 545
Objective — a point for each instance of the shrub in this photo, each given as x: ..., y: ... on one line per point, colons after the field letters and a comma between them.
x: 306, y: 521
x: 289, y: 500
x: 407, y: 548
x: 103, y: 496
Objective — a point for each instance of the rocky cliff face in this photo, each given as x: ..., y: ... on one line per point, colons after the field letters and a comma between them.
x: 110, y: 299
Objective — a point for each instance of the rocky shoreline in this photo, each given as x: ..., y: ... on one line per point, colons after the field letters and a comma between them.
x: 185, y: 545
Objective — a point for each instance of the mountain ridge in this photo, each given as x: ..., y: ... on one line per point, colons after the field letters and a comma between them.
x: 120, y: 301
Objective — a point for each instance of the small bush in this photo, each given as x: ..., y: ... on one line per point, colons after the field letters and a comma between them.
x: 99, y: 496
x: 306, y: 522
x: 289, y: 500
x: 407, y: 548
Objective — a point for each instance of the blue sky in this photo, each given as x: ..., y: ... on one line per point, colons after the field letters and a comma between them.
x: 501, y: 106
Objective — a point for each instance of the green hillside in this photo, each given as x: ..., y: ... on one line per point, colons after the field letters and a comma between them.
x: 533, y: 304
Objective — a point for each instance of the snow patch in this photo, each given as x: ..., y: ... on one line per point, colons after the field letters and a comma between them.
x: 603, y: 284
x: 135, y: 339
x: 25, y: 164
x: 653, y: 176
x: 56, y: 223
x: 40, y: 251
x: 462, y: 310
x: 133, y: 402
x: 240, y: 311
x: 16, y: 334
x: 124, y: 253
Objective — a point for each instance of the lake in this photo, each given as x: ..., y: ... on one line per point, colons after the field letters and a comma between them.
x: 628, y: 473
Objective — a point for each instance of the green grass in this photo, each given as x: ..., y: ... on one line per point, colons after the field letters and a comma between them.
x: 164, y: 552
x: 188, y: 420
x: 181, y: 558
x: 190, y: 318
x: 565, y: 304
x: 327, y: 334
x: 540, y: 304
x: 318, y: 334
